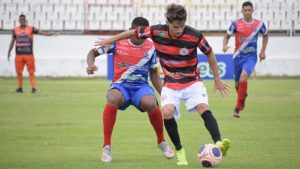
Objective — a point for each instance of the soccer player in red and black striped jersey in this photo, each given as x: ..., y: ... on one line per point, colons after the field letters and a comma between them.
x: 176, y: 45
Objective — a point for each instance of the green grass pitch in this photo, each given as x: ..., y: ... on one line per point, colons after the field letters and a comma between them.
x: 60, y: 127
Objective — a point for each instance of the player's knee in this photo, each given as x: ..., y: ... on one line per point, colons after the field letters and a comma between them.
x: 113, y: 100
x: 202, y: 108
x: 168, y: 112
x: 149, y: 106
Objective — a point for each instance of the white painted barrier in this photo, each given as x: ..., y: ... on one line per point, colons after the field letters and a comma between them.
x: 65, y: 55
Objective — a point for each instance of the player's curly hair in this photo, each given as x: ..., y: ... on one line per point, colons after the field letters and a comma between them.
x: 175, y: 13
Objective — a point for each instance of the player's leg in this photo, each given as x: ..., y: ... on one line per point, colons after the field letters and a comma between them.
x: 197, y: 100
x: 115, y: 99
x: 170, y: 101
x: 238, y: 68
x: 247, y: 69
x: 242, y: 90
x: 211, y: 125
x: 147, y: 102
x: 29, y: 59
x: 19, y: 63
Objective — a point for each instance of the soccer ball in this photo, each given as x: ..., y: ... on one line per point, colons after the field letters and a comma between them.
x: 209, y: 155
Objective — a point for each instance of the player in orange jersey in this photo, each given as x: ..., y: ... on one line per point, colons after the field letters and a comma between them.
x: 23, y: 36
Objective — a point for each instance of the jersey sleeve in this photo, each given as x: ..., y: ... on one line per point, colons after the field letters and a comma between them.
x: 232, y: 28
x: 111, y: 49
x: 153, y: 61
x: 204, y: 46
x: 35, y: 30
x: 263, y: 30
x: 143, y: 32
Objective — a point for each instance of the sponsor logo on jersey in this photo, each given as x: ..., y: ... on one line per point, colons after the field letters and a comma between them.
x: 161, y: 34
x: 184, y: 51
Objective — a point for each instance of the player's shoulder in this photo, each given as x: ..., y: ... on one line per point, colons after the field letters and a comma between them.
x: 255, y: 20
x: 239, y: 20
x: 192, y: 31
x: 148, y: 42
x: 160, y: 27
x: 123, y: 42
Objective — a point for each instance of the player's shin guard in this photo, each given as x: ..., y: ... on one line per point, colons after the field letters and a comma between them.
x: 211, y: 125
x: 157, y: 123
x: 171, y: 127
x: 109, y: 119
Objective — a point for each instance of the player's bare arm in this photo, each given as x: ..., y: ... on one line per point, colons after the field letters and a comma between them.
x: 44, y: 33
x: 91, y: 61
x: 11, y: 45
x: 108, y: 41
x: 155, y: 79
x: 219, y: 84
x: 225, y: 42
x: 262, y: 54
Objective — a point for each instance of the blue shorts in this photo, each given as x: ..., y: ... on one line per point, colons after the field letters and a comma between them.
x: 133, y: 94
x: 244, y: 63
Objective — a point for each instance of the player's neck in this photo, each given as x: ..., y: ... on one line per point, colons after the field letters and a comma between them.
x: 248, y: 20
x: 136, y: 42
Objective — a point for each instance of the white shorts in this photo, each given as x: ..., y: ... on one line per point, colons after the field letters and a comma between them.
x: 192, y: 95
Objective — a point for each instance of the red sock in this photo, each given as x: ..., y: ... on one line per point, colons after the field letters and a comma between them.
x: 242, y: 94
x: 109, y: 119
x: 157, y: 123
x: 237, y: 87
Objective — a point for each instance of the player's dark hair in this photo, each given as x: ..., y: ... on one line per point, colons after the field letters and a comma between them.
x: 22, y: 15
x: 247, y: 3
x: 139, y: 21
x: 175, y: 13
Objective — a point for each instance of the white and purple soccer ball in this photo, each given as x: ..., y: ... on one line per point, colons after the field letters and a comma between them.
x: 210, y: 155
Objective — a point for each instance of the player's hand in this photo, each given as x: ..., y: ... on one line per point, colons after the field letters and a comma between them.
x: 223, y: 87
x: 91, y: 69
x: 225, y: 48
x: 262, y: 56
x: 8, y: 56
x: 102, y: 43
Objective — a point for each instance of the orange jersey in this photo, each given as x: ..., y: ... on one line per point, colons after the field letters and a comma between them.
x: 24, y: 39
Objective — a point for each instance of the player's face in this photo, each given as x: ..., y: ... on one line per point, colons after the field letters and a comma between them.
x: 176, y: 28
x: 247, y: 12
x: 22, y: 21
x: 135, y: 40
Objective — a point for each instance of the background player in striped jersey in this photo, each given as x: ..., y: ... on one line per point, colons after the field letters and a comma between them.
x: 23, y: 36
x: 176, y: 45
x: 246, y: 32
x: 133, y: 60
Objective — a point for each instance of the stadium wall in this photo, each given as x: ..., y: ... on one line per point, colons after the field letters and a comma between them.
x: 65, y: 56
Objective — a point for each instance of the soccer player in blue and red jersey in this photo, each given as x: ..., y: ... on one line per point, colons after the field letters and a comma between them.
x: 23, y: 36
x: 246, y: 32
x: 176, y: 45
x: 133, y: 60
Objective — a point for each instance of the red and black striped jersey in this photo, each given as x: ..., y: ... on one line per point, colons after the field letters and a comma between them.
x: 178, y: 57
